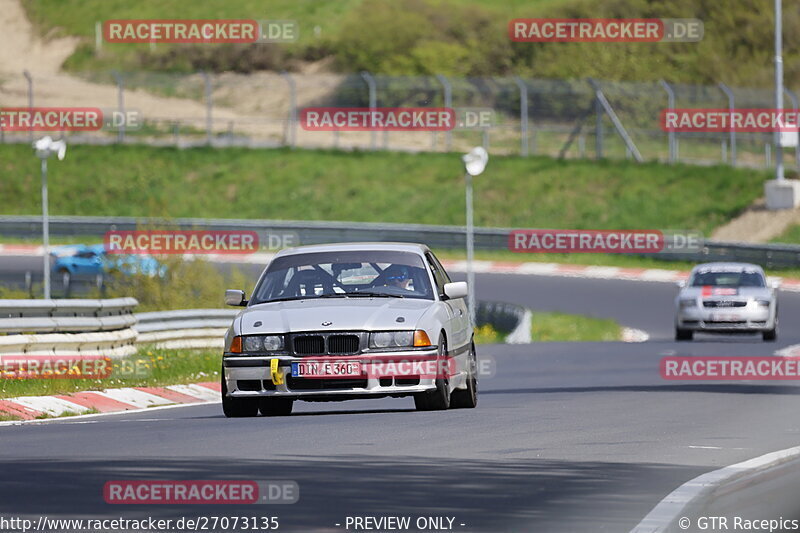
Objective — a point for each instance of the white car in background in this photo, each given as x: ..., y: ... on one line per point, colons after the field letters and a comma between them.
x: 335, y: 322
x: 726, y: 298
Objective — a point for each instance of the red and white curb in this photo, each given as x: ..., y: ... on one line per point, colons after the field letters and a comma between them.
x: 484, y: 267
x: 108, y: 400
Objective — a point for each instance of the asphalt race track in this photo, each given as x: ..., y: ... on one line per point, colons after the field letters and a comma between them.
x: 566, y: 437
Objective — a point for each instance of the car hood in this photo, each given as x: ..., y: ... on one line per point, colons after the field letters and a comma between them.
x: 721, y: 293
x: 343, y: 314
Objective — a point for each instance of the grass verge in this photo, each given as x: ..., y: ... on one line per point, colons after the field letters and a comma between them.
x: 426, y: 188
x: 553, y: 326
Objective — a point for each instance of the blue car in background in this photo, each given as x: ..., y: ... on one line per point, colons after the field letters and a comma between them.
x: 90, y: 260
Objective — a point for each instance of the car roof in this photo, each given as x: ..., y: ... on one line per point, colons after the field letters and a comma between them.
x: 356, y: 246
x: 727, y: 267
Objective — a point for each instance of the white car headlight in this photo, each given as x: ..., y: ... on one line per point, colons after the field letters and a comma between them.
x: 391, y: 339
x: 687, y: 302
x: 761, y: 302
x: 266, y: 343
x: 252, y: 344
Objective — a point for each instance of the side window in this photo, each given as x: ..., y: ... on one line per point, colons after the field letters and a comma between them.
x: 439, y: 275
x: 440, y: 268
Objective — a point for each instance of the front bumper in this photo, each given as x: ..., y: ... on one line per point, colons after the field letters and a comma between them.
x: 741, y: 319
x: 251, y: 377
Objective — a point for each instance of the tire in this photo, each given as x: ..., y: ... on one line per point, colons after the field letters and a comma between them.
x: 237, y: 407
x: 770, y: 335
x: 683, y: 334
x: 275, y: 406
x: 439, y: 398
x: 468, y: 398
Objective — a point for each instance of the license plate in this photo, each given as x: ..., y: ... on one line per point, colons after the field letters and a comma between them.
x: 725, y: 317
x: 326, y: 369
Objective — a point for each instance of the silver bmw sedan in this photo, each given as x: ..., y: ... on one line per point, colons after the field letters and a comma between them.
x: 344, y: 321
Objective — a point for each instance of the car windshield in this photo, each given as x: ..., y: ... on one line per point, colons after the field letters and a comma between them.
x: 746, y: 278
x: 345, y: 274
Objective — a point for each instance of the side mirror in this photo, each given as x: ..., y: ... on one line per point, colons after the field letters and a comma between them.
x: 775, y: 284
x: 235, y: 297
x: 681, y: 284
x: 455, y: 290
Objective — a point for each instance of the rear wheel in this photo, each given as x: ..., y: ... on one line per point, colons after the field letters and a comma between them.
x: 237, y: 407
x: 468, y: 398
x: 683, y: 334
x: 439, y: 398
x: 275, y: 406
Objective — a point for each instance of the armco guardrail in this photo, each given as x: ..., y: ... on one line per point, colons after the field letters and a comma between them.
x: 108, y: 327
x: 66, y: 327
x: 316, y: 232
x: 185, y: 328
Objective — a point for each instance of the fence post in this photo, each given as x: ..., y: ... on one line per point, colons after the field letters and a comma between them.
x: 732, y: 107
x: 372, y: 105
x: 98, y: 36
x: 601, y: 99
x: 523, y: 116
x: 120, y: 104
x: 29, y: 78
x: 448, y: 103
x: 671, y: 106
x: 289, y: 132
x: 209, y: 106
x: 793, y: 98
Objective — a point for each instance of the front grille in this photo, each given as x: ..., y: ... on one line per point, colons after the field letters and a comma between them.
x: 327, y: 343
x: 309, y: 345
x: 325, y: 384
x: 724, y: 303
x: 342, y: 344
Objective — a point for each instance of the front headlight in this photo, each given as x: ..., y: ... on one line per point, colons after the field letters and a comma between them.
x: 391, y: 339
x: 688, y: 302
x: 263, y: 343
x: 762, y: 302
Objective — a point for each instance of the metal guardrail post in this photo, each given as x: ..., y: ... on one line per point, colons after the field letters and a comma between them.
x: 793, y: 97
x: 448, y: 103
x: 209, y: 107
x: 290, y: 131
x: 372, y: 105
x: 523, y: 116
x: 601, y: 98
x: 732, y: 107
x: 670, y: 106
x: 29, y: 79
x: 120, y: 103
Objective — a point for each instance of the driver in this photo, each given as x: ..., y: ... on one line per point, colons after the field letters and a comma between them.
x: 398, y: 276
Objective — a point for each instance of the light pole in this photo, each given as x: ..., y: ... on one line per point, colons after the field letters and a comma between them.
x: 778, y: 88
x: 474, y: 162
x: 45, y: 147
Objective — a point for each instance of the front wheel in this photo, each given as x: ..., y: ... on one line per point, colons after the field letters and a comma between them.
x: 439, y: 398
x: 683, y: 334
x: 237, y: 407
x: 468, y: 398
